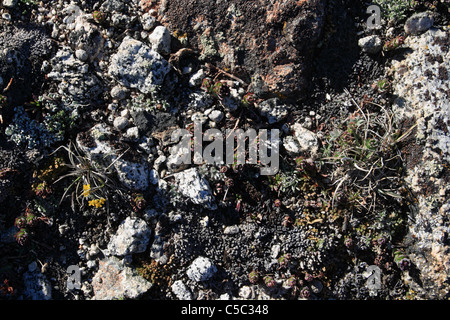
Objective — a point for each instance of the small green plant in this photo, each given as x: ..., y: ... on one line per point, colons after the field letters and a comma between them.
x: 401, y: 259
x: 99, y: 16
x: 382, y: 85
x: 24, y: 223
x: 394, y: 43
x: 217, y: 89
x: 269, y: 281
x: 138, y: 202
x: 395, y: 9
x: 253, y: 277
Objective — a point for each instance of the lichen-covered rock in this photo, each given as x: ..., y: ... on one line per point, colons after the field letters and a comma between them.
x: 181, y: 291
x: 136, y: 65
x: 114, y: 280
x: 421, y: 85
x: 191, y: 185
x: 273, y: 40
x: 74, y: 79
x: 307, y: 139
x: 132, y: 236
x: 201, y: 269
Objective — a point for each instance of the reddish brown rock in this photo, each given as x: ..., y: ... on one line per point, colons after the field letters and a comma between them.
x: 252, y: 39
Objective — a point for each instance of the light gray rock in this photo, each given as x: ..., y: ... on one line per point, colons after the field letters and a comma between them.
x: 419, y: 22
x: 9, y: 3
x: 231, y: 230
x: 216, y: 116
x: 201, y: 269
x: 421, y: 84
x: 200, y: 100
x: 160, y: 40
x: 135, y: 65
x: 191, y: 185
x: 197, y: 78
x: 114, y: 280
x: 181, y: 291
x: 273, y: 109
x: 132, y: 236
x: 81, y: 55
x: 307, y: 140
x: 291, y: 145
x: 74, y: 80
x: 119, y: 93
x: 148, y: 21
x: 112, y: 6
x: 120, y: 123
x: 371, y: 44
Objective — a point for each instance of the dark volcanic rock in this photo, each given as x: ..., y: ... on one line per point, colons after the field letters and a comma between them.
x: 268, y: 40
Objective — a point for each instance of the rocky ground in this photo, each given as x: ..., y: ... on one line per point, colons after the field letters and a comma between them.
x: 90, y: 188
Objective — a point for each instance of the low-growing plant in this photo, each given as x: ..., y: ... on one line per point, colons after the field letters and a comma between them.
x: 91, y: 181
x: 395, y: 9
x: 367, y: 160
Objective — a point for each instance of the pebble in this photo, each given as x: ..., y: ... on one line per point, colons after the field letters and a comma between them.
x: 231, y: 230
x: 120, y: 123
x: 371, y: 44
x: 216, y: 116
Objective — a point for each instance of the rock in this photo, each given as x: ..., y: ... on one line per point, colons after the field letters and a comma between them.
x: 137, y: 66
x: 201, y: 269
x: 307, y: 140
x: 81, y: 55
x: 291, y: 145
x: 112, y: 6
x: 371, y: 44
x: 9, y: 3
x: 181, y: 291
x: 148, y: 21
x: 195, y: 188
x: 160, y: 40
x: 37, y: 287
x: 200, y: 100
x: 419, y: 22
x: 85, y: 35
x: 216, y: 116
x: 273, y: 110
x: 231, y: 230
x: 114, y: 280
x: 316, y: 286
x: 132, y: 134
x: 273, y: 39
x: 132, y: 236
x: 119, y: 93
x: 420, y: 81
x: 120, y: 123
x: 74, y: 80
x: 197, y: 78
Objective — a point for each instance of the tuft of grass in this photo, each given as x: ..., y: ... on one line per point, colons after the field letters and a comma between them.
x: 91, y: 182
x: 364, y: 152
